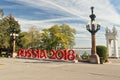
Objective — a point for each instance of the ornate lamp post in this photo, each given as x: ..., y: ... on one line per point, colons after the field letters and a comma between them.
x: 13, y: 36
x: 94, y: 58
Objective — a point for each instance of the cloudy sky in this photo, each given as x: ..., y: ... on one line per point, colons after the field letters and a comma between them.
x: 45, y: 13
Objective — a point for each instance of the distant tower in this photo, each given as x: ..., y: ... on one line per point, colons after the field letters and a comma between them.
x: 112, y: 35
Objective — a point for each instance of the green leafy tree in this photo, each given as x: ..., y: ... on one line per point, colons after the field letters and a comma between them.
x: 31, y: 39
x: 58, y: 37
x: 7, y: 25
x: 23, y: 40
x: 55, y: 37
x: 35, y: 37
x: 68, y: 33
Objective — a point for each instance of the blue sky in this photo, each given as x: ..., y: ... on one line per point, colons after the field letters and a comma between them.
x: 45, y: 13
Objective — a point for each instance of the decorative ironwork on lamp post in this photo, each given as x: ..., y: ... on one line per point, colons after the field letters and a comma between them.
x: 94, y: 58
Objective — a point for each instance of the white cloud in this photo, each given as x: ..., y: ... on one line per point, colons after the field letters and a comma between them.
x: 10, y: 6
x: 78, y: 9
x: 105, y: 13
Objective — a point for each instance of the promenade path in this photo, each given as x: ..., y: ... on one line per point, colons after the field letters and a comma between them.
x: 26, y: 69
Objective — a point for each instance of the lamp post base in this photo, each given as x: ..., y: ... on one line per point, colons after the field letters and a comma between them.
x: 94, y: 58
x: 14, y: 55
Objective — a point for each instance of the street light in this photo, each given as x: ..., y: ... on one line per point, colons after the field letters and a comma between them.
x: 13, y: 36
x: 94, y: 58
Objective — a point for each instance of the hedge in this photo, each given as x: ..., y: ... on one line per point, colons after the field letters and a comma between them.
x: 102, y: 52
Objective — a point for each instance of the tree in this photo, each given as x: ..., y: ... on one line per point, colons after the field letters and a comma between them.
x: 69, y: 34
x: 23, y: 40
x: 31, y: 39
x: 7, y: 24
x: 35, y: 36
x: 58, y: 37
x: 55, y: 37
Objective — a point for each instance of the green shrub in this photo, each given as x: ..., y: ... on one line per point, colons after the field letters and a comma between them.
x: 102, y: 52
x: 77, y: 56
x: 85, y: 56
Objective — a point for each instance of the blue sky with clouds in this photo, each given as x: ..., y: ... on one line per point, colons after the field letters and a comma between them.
x: 45, y: 13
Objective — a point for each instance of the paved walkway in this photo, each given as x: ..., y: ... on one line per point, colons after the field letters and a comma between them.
x: 24, y: 69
